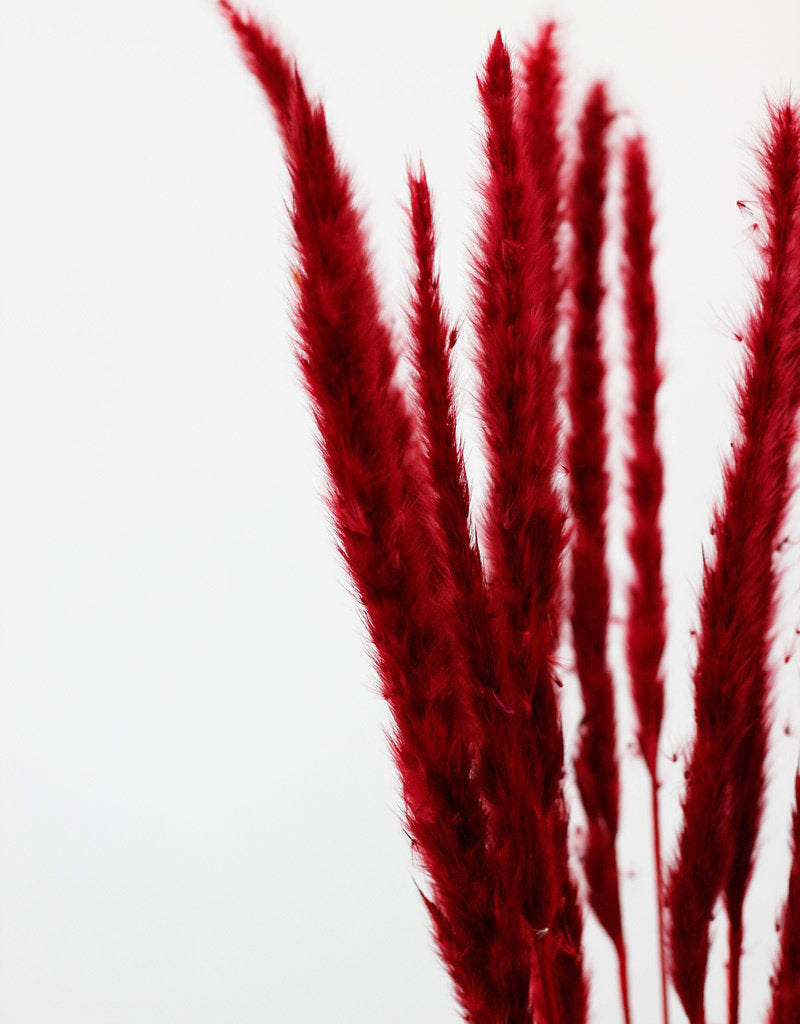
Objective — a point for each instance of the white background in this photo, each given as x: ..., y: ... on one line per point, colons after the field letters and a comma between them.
x: 199, y: 820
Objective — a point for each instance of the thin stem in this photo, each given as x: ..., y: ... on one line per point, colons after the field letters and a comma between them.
x: 662, y: 952
x: 734, y: 964
x: 622, y: 959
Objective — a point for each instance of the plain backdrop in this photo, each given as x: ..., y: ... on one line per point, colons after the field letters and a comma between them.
x: 199, y: 820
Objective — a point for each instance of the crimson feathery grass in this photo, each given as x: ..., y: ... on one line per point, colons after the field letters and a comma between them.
x: 541, y: 119
x: 432, y: 340
x: 722, y: 804
x: 379, y: 506
x: 776, y: 323
x: 785, y: 1007
x: 464, y: 637
x: 646, y: 623
x: 596, y: 767
x: 498, y: 741
x: 524, y: 519
x: 431, y: 343
x: 525, y: 533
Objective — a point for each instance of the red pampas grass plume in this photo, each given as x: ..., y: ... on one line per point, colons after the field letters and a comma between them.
x: 524, y: 528
x: 596, y: 766
x: 722, y: 804
x: 646, y: 630
x: 785, y: 1007
x: 524, y: 521
x: 432, y: 339
x: 541, y: 135
x: 393, y: 551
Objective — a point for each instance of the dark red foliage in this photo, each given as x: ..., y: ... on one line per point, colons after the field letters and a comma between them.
x: 501, y: 756
x: 524, y: 526
x: 525, y: 521
x: 541, y: 117
x: 267, y: 61
x: 394, y: 555
x: 785, y: 1007
x: 646, y: 628
x: 596, y: 759
x: 431, y: 345
x: 722, y: 804
x: 646, y: 625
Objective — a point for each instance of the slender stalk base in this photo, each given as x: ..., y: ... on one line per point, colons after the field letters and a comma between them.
x: 622, y: 959
x: 734, y: 965
x: 662, y: 949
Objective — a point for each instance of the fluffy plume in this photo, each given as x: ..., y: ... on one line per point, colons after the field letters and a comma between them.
x: 785, y: 1007
x: 386, y: 536
x: 525, y: 537
x: 722, y: 803
x: 267, y: 61
x: 646, y: 625
x: 432, y: 339
x: 541, y: 113
x: 596, y: 759
x: 525, y: 522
